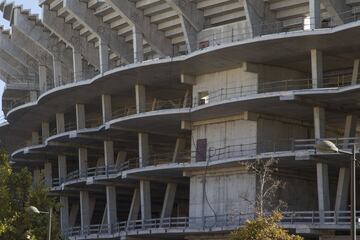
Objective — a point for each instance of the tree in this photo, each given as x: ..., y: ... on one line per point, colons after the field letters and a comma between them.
x: 17, y: 193
x: 263, y: 228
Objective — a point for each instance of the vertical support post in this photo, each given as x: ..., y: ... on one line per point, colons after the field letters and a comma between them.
x: 319, y: 122
x: 135, y: 206
x: 104, y: 57
x: 140, y: 95
x: 45, y: 130
x: 145, y: 200
x: 78, y: 66
x: 42, y: 78
x: 64, y: 213
x: 48, y: 173
x: 36, y: 177
x: 33, y: 96
x: 80, y: 116
x: 179, y: 147
x: 73, y: 214
x: 138, y: 45
x: 84, y: 210
x: 315, y: 17
x: 83, y: 162
x: 62, y: 168
x: 109, y: 153
x: 60, y: 123
x: 317, y: 68
x: 111, y: 206
x: 353, y: 192
x: 169, y: 200
x: 120, y: 159
x: 355, y: 73
x: 34, y: 138
x: 58, y: 77
x: 106, y: 108
x: 144, y: 157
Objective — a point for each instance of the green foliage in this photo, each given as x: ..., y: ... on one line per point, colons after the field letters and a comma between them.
x: 16, y: 194
x: 263, y: 228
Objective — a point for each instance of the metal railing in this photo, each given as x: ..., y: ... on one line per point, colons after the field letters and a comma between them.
x: 214, y: 223
x: 309, y: 144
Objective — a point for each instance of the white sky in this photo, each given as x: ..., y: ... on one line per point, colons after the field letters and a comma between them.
x: 28, y: 4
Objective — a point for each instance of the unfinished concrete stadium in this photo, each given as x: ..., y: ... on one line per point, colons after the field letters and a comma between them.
x: 139, y: 114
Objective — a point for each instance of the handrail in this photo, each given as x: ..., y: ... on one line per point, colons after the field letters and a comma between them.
x: 311, y: 218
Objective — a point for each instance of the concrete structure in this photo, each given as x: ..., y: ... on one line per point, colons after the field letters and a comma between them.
x: 140, y: 115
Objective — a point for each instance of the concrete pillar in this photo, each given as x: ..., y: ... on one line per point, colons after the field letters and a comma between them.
x: 58, y: 76
x: 64, y: 213
x: 144, y: 154
x: 135, y: 206
x: 73, y: 214
x: 315, y: 17
x: 111, y: 205
x: 80, y: 116
x: 36, y: 177
x: 317, y: 68
x: 179, y: 149
x: 42, y: 78
x: 33, y: 96
x: 145, y: 200
x: 62, y: 167
x: 83, y: 162
x: 342, y: 192
x: 84, y: 209
x: 350, y: 129
x: 48, y: 173
x: 140, y: 95
x: 34, y: 138
x: 109, y: 153
x: 78, y: 66
x: 106, y: 108
x: 323, y: 187
x: 60, y: 123
x: 120, y: 159
x: 355, y: 74
x: 138, y: 45
x: 169, y: 200
x: 319, y: 122
x: 45, y: 130
x: 104, y: 56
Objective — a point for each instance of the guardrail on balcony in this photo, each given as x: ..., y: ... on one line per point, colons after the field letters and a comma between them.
x: 227, y: 221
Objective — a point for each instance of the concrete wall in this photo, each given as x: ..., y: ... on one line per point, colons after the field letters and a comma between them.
x: 226, y: 191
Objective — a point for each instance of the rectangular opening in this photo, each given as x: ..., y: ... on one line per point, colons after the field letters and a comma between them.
x: 201, y: 146
x: 203, y: 97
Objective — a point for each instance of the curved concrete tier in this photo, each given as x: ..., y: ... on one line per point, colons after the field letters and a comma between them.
x: 156, y: 73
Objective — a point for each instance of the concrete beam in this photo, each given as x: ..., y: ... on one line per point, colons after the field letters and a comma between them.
x: 190, y: 35
x: 135, y: 206
x: 105, y: 34
x: 169, y: 200
x: 257, y: 14
x: 71, y: 36
x: 336, y: 10
x: 135, y: 17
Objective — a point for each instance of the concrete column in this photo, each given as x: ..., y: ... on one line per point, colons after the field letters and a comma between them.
x: 83, y: 162
x: 84, y: 209
x: 36, y: 177
x: 62, y: 167
x: 58, y: 77
x: 33, y: 96
x: 169, y: 200
x: 179, y: 148
x: 350, y: 129
x: 109, y: 153
x: 80, y: 116
x: 64, y: 213
x: 106, y: 108
x: 135, y: 206
x: 120, y: 159
x: 104, y: 56
x: 342, y: 192
x: 111, y: 205
x: 45, y: 130
x: 355, y: 74
x: 315, y: 17
x: 42, y: 78
x: 317, y: 68
x: 145, y: 200
x: 140, y: 95
x: 319, y: 122
x: 78, y: 66
x: 138, y: 45
x: 48, y: 173
x: 60, y: 123
x: 73, y: 214
x: 144, y: 154
x: 34, y: 138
